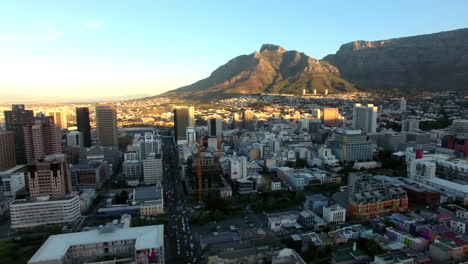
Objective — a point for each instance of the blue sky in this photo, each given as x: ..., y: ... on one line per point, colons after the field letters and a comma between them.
x: 100, y: 48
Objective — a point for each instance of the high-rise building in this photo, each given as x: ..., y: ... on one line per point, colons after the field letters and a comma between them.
x: 75, y: 139
x: 15, y: 120
x: 183, y: 118
x: 150, y: 144
x: 409, y: 125
x: 41, y: 137
x: 60, y: 119
x: 402, y: 104
x: 248, y: 119
x: 365, y: 117
x: 152, y: 169
x: 7, y: 151
x: 191, y: 135
x: 236, y: 120
x: 106, y: 126
x: 83, y: 124
x: 215, y: 127
x: 350, y: 145
x: 331, y: 117
x: 133, y: 172
x: 49, y: 176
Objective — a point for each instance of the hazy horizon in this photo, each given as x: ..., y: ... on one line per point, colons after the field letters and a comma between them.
x: 101, y: 50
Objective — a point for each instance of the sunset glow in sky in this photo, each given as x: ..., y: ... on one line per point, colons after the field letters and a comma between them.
x: 100, y: 48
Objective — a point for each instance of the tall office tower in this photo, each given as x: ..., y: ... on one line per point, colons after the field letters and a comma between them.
x: 82, y: 120
x: 133, y: 172
x: 326, y: 91
x: 152, y: 169
x: 150, y: 144
x: 60, y: 119
x: 7, y: 151
x: 365, y: 117
x: 248, y: 119
x: 314, y: 126
x: 41, y: 137
x: 75, y: 139
x: 409, y: 125
x: 215, y: 127
x: 15, y: 120
x: 350, y: 145
x: 106, y: 126
x: 191, y: 135
x: 236, y: 120
x: 331, y: 117
x: 183, y: 118
x: 49, y: 176
x: 402, y: 104
x: 316, y: 113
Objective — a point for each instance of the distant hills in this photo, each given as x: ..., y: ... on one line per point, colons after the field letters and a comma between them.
x: 43, y: 99
x: 430, y: 62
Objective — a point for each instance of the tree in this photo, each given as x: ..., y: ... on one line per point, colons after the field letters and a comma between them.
x: 301, y: 163
x: 122, y: 198
x: 299, y: 197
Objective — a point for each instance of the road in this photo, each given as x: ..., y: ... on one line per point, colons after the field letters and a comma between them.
x: 180, y: 245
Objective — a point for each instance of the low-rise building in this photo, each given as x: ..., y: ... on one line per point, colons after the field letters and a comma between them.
x: 150, y: 200
x: 120, y: 243
x: 42, y: 211
x: 334, y: 214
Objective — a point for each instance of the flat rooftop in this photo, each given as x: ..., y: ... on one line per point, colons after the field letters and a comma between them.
x: 56, y: 246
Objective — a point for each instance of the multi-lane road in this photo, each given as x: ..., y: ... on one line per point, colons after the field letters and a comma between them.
x: 180, y: 245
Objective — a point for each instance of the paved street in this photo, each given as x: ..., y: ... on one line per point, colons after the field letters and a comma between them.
x: 180, y: 246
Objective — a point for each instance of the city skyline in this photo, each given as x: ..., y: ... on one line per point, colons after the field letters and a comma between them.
x: 102, y: 49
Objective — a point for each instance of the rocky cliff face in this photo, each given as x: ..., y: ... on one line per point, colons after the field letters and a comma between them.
x: 421, y: 63
x: 270, y: 70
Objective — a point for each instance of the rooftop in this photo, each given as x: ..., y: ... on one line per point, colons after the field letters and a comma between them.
x: 56, y: 246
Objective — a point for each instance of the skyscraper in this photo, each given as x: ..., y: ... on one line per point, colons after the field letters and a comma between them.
x: 153, y: 169
x: 215, y: 127
x: 365, y: 117
x: 49, y: 176
x: 331, y: 117
x: 7, y: 151
x: 248, y: 119
x: 60, y: 119
x: 82, y: 120
x: 402, y: 104
x: 15, y: 121
x: 41, y: 137
x: 106, y: 125
x: 75, y: 139
x: 183, y: 119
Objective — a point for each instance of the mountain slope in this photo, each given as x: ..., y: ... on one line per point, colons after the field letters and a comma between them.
x: 430, y: 62
x: 270, y: 70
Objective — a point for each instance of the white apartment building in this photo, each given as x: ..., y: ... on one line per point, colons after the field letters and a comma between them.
x: 123, y: 244
x: 133, y: 171
x: 447, y: 176
x: 75, y: 139
x: 153, y: 169
x: 12, y: 183
x: 26, y: 214
x: 334, y: 214
x: 365, y: 117
x: 237, y: 167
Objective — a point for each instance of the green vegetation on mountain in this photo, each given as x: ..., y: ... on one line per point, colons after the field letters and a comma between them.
x: 400, y: 66
x: 270, y: 70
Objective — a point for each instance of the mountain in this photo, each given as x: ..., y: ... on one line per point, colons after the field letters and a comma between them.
x: 411, y: 64
x: 270, y: 70
x: 406, y: 65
